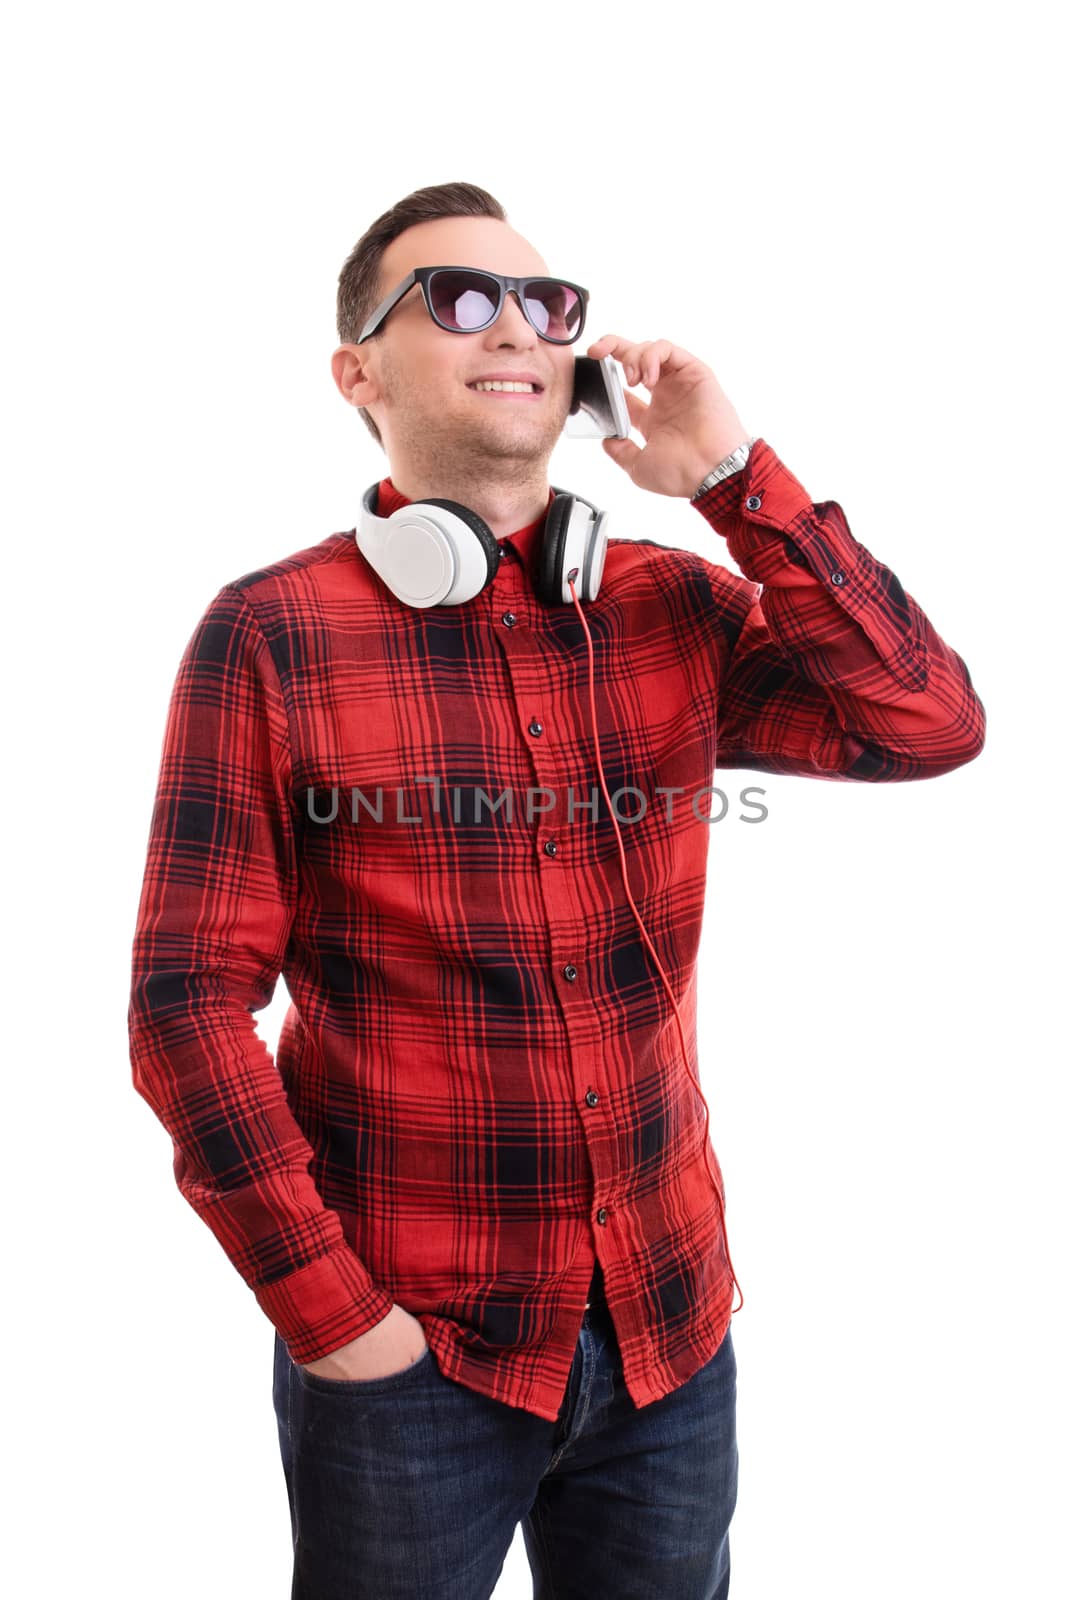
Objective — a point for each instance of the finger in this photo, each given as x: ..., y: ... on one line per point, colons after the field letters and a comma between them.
x: 637, y: 409
x: 633, y: 357
x: 656, y: 357
x: 639, y: 363
x: 662, y: 356
x: 609, y: 344
x: 625, y: 351
x: 633, y: 362
x: 624, y: 451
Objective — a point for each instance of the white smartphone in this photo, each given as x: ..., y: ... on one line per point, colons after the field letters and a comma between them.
x: 598, y: 408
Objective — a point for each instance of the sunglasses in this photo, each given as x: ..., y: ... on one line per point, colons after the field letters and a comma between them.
x: 466, y: 300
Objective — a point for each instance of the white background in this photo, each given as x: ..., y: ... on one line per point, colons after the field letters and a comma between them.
x: 852, y: 216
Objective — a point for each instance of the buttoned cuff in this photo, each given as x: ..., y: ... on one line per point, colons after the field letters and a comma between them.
x: 763, y: 475
x: 775, y: 532
x: 763, y: 498
x: 781, y: 539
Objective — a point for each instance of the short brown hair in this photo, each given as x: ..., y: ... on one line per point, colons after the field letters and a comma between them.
x: 358, y: 289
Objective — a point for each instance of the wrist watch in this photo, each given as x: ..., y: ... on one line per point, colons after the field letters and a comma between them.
x: 733, y: 463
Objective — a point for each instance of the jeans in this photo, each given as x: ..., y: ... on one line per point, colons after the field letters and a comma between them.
x: 409, y: 1487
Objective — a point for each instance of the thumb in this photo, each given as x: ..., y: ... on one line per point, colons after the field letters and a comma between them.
x: 624, y: 451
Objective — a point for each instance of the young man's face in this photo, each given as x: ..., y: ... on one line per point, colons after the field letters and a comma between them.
x: 417, y: 375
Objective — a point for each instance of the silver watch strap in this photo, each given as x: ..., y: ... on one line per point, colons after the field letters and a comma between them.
x: 733, y: 463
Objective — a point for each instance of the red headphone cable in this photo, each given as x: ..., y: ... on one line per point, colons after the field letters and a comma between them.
x: 644, y: 933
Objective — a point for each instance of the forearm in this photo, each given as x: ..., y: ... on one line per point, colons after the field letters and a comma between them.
x: 889, y: 699
x: 240, y: 1158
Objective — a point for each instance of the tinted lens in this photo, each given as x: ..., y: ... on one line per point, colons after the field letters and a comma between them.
x: 555, y: 309
x: 467, y: 301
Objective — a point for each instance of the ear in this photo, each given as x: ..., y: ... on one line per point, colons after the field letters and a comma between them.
x: 351, y: 376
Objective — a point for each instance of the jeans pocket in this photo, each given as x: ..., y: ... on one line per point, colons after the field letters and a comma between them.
x: 391, y: 1380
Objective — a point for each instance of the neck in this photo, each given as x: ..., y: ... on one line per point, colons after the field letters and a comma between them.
x: 503, y: 507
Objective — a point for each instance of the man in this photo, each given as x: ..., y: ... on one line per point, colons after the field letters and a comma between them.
x: 475, y: 1196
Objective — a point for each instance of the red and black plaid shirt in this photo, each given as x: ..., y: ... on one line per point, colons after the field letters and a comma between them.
x: 479, y: 1088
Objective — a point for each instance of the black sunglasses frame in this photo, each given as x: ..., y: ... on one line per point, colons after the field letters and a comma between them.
x: 422, y: 276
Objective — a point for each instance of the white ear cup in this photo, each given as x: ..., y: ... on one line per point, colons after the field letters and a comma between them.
x: 426, y: 559
x: 584, y: 547
x: 598, y: 549
x: 417, y: 561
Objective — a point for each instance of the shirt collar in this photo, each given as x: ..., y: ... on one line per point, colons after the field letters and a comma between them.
x: 521, y: 543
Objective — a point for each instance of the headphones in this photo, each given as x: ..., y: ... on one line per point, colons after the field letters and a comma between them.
x: 437, y: 552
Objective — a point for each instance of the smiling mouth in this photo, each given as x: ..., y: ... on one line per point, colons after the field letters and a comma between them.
x: 506, y: 394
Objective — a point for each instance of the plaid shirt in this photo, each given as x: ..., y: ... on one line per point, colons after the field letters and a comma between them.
x: 479, y: 1089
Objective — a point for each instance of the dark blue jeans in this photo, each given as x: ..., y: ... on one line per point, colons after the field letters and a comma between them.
x: 409, y: 1487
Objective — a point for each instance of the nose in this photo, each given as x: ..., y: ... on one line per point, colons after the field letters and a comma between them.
x: 512, y: 326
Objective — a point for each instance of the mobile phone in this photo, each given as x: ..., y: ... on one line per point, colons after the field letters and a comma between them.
x: 598, y: 407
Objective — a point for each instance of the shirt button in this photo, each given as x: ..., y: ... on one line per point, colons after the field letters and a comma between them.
x: 592, y: 1098
x: 570, y: 972
x: 536, y: 728
x: 837, y: 577
x: 602, y: 1216
x: 508, y: 619
x: 551, y: 847
x: 753, y: 502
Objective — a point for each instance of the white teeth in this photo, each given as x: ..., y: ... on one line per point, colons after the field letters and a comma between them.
x: 506, y: 388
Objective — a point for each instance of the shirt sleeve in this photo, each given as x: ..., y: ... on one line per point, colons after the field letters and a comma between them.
x: 836, y: 671
x: 212, y: 928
